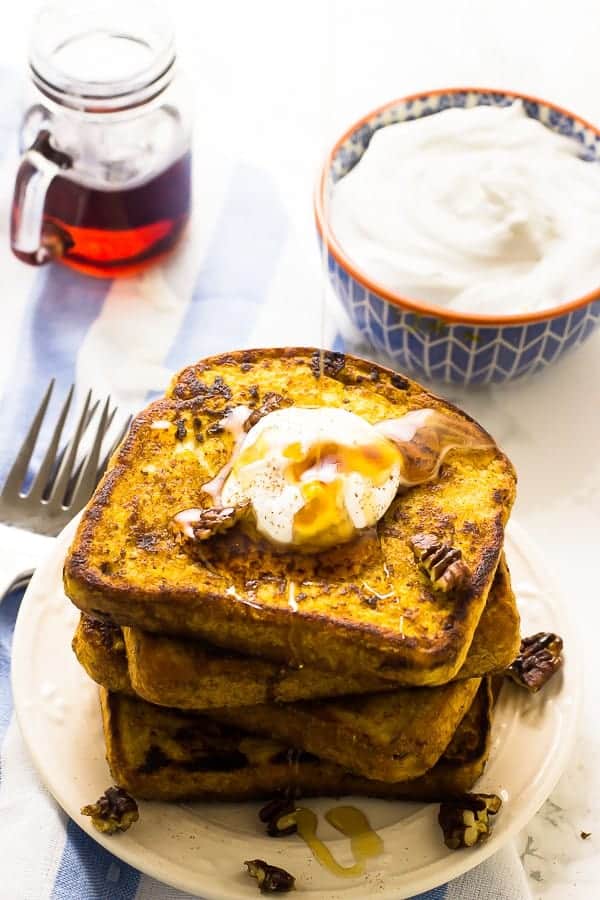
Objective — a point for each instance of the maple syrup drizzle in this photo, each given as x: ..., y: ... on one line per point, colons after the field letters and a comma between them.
x: 324, y: 281
x: 292, y: 602
x: 425, y: 436
x: 231, y: 592
x: 371, y: 590
x: 351, y: 822
x: 233, y: 422
x: 295, y: 646
x: 327, y: 109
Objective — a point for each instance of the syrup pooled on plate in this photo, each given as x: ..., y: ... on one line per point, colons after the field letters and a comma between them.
x: 351, y: 822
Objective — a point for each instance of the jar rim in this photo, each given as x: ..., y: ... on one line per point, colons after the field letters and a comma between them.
x: 64, y: 28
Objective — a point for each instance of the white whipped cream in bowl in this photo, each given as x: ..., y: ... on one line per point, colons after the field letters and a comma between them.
x: 461, y: 232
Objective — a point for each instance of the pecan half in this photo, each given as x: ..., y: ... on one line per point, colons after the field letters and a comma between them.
x: 275, y: 810
x: 115, y: 810
x: 539, y: 658
x: 271, y: 402
x: 271, y: 879
x: 465, y: 820
x: 444, y: 564
x: 202, y: 524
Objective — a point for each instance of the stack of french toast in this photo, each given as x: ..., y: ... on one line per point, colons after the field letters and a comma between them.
x: 231, y: 668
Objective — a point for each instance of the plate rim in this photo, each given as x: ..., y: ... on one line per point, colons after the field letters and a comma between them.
x: 421, y: 880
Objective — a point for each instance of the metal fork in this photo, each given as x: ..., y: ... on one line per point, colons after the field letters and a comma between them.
x: 62, y: 485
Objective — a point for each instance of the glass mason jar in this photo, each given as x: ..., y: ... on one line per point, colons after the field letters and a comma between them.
x: 104, y: 184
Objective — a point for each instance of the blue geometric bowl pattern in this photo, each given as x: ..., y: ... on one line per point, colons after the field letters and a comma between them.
x: 455, y: 352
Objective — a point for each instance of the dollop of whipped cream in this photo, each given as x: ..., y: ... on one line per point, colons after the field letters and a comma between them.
x: 480, y: 210
x: 313, y: 477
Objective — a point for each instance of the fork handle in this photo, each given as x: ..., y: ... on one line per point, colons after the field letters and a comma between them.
x: 20, y: 550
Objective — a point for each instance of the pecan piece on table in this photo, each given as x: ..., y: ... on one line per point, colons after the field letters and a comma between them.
x: 271, y: 879
x: 275, y: 810
x: 271, y: 402
x: 465, y: 820
x: 444, y: 564
x: 202, y: 524
x: 115, y: 810
x: 539, y: 658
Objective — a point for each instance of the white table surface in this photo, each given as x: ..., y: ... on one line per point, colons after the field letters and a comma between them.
x: 274, y: 83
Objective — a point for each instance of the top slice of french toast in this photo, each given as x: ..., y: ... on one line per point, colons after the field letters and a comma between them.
x: 365, y: 606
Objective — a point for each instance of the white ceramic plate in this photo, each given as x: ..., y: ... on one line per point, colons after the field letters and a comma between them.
x: 201, y: 847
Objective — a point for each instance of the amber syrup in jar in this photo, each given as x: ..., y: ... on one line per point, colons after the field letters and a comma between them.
x: 114, y: 232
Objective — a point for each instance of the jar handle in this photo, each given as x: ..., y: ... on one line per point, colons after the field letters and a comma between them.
x: 32, y: 240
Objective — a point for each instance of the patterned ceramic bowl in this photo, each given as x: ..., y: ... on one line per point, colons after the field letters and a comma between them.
x: 428, y: 340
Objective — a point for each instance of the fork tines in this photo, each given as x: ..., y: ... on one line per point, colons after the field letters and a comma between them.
x: 63, y: 483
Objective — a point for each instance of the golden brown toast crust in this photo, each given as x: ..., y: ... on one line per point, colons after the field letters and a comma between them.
x: 193, y: 675
x: 497, y: 638
x: 126, y: 563
x: 100, y: 649
x: 153, y: 753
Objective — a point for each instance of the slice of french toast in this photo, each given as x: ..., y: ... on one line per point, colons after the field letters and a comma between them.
x: 195, y: 675
x: 399, y: 734
x: 365, y: 607
x: 162, y: 754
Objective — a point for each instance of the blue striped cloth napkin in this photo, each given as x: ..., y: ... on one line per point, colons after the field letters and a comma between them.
x: 241, y: 278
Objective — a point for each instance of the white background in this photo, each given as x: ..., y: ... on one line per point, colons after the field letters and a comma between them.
x: 275, y: 83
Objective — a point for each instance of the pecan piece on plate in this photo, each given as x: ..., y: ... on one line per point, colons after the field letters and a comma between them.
x: 465, y: 820
x: 115, y: 810
x: 271, y: 879
x: 275, y: 810
x: 201, y: 524
x: 444, y: 564
x: 539, y: 658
